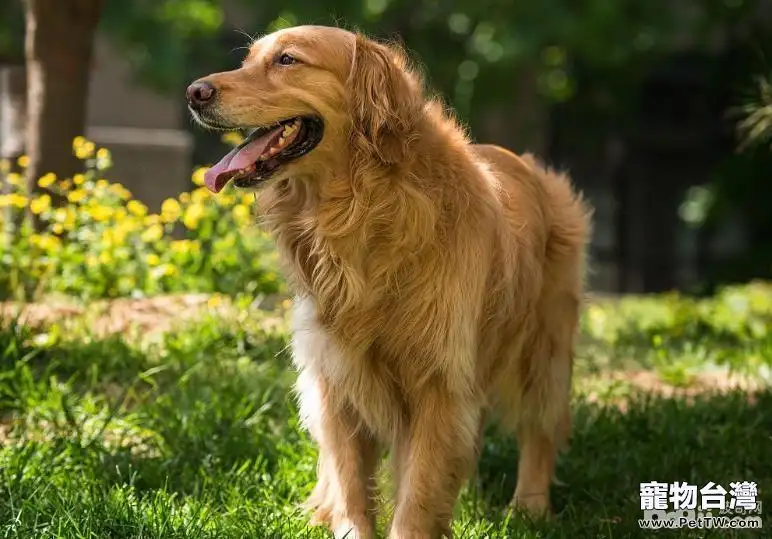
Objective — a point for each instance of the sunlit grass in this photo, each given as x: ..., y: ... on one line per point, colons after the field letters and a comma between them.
x: 194, y: 434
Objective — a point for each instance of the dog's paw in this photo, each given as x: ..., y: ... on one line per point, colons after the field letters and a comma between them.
x: 536, y: 506
x: 350, y: 529
x: 319, y: 507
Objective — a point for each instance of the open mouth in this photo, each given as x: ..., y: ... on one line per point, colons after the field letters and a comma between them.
x: 264, y: 151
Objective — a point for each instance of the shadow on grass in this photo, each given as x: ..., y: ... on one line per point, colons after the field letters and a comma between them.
x: 719, y: 438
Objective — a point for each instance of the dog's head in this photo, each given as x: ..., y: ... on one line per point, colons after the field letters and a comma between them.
x: 306, y: 93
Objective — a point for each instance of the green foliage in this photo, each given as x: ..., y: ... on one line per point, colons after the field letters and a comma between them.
x: 11, y: 32
x: 678, y: 333
x: 158, y: 36
x: 756, y: 126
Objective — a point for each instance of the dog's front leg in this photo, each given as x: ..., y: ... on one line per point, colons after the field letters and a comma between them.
x: 348, y: 455
x: 434, y: 458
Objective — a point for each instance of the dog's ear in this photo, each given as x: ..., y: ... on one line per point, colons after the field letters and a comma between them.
x: 385, y: 100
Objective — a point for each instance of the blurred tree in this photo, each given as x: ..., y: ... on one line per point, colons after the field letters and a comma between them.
x: 58, y: 47
x: 11, y: 33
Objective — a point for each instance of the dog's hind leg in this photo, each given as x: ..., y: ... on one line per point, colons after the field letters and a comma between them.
x: 544, y: 415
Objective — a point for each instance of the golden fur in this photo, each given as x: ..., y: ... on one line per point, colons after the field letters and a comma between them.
x: 437, y: 281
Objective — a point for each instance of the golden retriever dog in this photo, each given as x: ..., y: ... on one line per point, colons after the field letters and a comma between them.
x: 438, y: 282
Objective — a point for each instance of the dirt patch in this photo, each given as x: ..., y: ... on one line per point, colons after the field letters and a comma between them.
x: 116, y: 316
x: 617, y: 387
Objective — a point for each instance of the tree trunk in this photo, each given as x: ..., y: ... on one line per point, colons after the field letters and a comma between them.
x: 59, y: 43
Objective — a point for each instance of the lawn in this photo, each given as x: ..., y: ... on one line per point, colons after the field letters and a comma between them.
x: 125, y: 420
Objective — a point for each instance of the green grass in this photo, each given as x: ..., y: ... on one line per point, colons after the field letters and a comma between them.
x: 193, y: 433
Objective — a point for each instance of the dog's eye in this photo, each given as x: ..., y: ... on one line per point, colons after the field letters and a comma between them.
x: 286, y: 59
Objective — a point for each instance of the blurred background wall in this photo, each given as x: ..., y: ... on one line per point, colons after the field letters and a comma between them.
x: 640, y: 101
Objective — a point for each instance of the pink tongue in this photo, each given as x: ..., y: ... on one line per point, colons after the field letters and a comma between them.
x: 239, y: 158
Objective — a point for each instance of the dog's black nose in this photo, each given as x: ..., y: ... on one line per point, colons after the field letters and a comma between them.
x: 200, y: 93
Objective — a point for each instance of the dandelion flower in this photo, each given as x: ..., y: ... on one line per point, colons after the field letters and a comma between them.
x: 100, y: 213
x: 198, y: 175
x: 17, y: 200
x: 170, y: 210
x: 76, y: 196
x: 136, y: 208
x: 47, y: 180
x: 40, y: 204
x: 152, y: 233
x: 193, y: 215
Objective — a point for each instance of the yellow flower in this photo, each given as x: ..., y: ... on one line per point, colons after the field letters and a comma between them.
x: 180, y: 246
x: 4, y: 201
x: 23, y: 161
x: 152, y: 219
x: 184, y: 198
x: 84, y: 150
x: 153, y: 233
x: 102, y: 184
x: 76, y: 196
x: 77, y: 143
x: 69, y: 221
x: 199, y: 195
x: 152, y: 259
x: 104, y: 159
x: 65, y: 184
x: 226, y: 200
x: 108, y: 238
x: 247, y: 199
x: 120, y: 214
x: 51, y: 243
x: 120, y: 191
x: 198, y: 175
x: 14, y: 178
x: 241, y: 214
x: 233, y: 138
x: 78, y: 179
x: 168, y: 270
x: 193, y: 215
x: 135, y: 207
x: 170, y: 210
x: 214, y: 301
x: 57, y: 228
x: 47, y: 180
x: 100, y: 213
x: 105, y: 257
x: 17, y: 200
x: 40, y: 204
x: 45, y: 242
